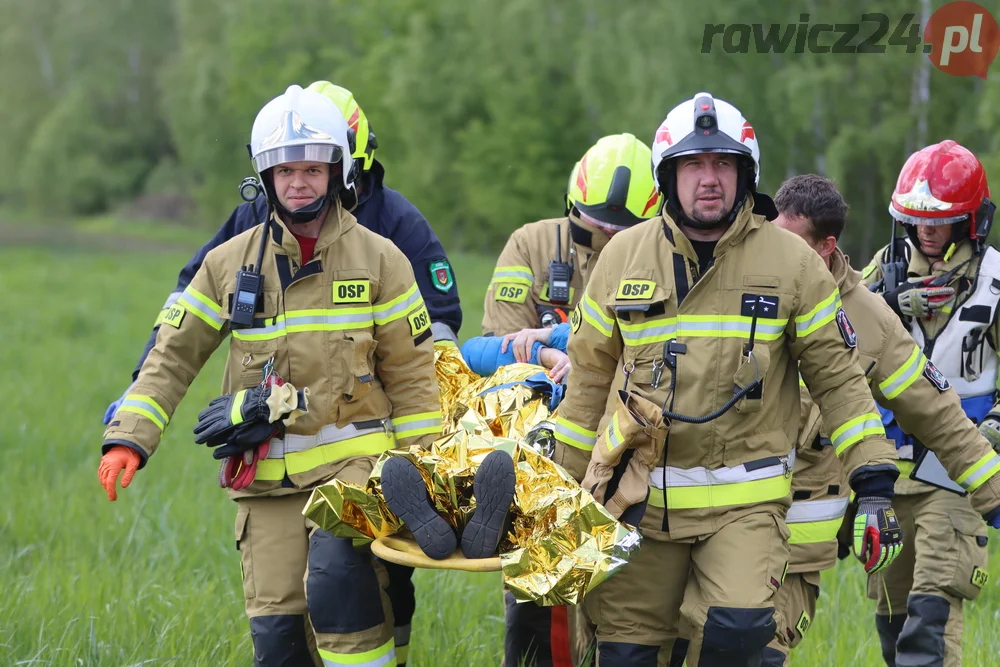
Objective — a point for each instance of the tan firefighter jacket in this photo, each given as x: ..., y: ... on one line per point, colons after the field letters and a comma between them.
x: 645, y: 300
x: 350, y: 325
x: 518, y: 294
x: 899, y: 382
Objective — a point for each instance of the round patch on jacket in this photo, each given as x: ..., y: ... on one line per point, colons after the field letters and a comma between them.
x: 846, y: 329
x: 936, y: 377
x: 441, y: 275
x: 576, y: 319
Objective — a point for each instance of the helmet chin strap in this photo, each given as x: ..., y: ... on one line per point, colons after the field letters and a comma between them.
x: 302, y: 215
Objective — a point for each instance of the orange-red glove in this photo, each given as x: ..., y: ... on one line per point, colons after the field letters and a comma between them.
x: 117, y: 459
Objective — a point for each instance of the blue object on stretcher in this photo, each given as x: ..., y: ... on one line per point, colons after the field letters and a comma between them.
x: 538, y: 382
x: 976, y: 407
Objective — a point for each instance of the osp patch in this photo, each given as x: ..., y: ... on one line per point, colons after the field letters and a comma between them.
x: 441, y: 275
x: 172, y: 316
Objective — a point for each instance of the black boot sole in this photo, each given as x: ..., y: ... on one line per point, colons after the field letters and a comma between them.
x: 406, y: 495
x: 493, y: 487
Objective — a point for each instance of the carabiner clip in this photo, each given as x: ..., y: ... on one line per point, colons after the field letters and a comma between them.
x: 267, y: 372
x: 657, y: 373
x: 627, y: 369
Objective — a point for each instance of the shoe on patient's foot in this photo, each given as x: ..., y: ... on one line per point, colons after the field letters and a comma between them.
x: 493, y: 487
x: 406, y: 495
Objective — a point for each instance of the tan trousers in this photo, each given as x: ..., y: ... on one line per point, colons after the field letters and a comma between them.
x: 943, y: 562
x: 795, y: 603
x: 296, y: 575
x: 697, y: 586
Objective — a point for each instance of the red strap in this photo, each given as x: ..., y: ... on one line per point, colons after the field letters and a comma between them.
x: 559, y: 637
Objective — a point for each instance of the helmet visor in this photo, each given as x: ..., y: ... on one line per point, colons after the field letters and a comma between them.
x: 919, y: 220
x: 328, y: 153
x: 606, y: 226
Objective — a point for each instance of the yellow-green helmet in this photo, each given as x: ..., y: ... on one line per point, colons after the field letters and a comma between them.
x: 570, y: 202
x: 613, y: 182
x: 365, y: 142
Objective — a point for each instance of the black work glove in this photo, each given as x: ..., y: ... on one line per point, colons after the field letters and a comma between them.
x: 224, y: 416
x: 240, y: 421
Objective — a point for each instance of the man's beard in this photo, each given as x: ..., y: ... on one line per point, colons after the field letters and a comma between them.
x: 710, y: 220
x: 702, y: 221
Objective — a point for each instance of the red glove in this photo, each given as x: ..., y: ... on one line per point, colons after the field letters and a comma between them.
x: 117, y: 459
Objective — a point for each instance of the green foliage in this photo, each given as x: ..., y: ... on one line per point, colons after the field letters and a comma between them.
x: 481, y: 109
x: 154, y: 578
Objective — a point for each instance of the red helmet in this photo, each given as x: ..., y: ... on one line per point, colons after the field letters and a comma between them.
x: 943, y: 184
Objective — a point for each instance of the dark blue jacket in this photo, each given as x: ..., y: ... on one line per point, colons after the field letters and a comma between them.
x: 484, y: 357
x: 381, y: 210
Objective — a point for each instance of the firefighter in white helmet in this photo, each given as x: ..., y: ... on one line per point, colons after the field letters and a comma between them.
x: 331, y: 363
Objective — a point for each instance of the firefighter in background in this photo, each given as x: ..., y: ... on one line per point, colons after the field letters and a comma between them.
x: 538, y: 279
x: 951, y: 551
x: 942, y: 280
x: 338, y: 315
x: 705, y: 313
x: 542, y: 270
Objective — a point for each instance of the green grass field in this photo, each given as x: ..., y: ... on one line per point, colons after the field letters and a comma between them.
x: 153, y: 579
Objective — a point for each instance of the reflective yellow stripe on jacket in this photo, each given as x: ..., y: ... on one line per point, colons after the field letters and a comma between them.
x: 856, y: 430
x: 745, y: 484
x: 333, y: 319
x: 569, y: 433
x: 297, y: 454
x: 701, y: 326
x: 905, y: 375
x: 423, y: 423
x: 812, y: 521
x: 521, y: 275
x: 824, y: 313
x: 147, y: 407
x: 979, y: 472
x: 201, y: 307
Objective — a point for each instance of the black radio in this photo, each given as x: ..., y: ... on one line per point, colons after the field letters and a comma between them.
x: 560, y: 274
x: 249, y: 287
x: 249, y: 283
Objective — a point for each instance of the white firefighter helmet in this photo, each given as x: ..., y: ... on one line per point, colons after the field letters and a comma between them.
x: 704, y: 124
x: 302, y: 126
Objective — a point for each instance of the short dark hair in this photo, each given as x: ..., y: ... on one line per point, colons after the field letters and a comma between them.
x: 817, y: 199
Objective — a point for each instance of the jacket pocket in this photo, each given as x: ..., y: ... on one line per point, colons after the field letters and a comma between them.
x: 357, y: 393
x: 964, y: 567
x: 770, y: 447
x: 752, y: 368
x: 250, y: 350
x: 246, y: 556
x: 359, y: 355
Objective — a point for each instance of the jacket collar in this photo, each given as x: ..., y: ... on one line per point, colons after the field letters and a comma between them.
x: 337, y: 222
x: 745, y: 222
x: 920, y: 264
x: 845, y: 275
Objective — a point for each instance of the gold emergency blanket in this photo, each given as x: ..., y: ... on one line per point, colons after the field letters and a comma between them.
x: 563, y: 543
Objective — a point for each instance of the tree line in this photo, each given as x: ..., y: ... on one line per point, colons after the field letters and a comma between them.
x: 481, y: 108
